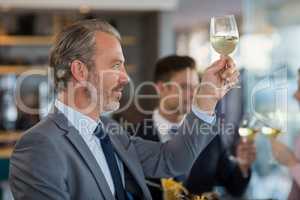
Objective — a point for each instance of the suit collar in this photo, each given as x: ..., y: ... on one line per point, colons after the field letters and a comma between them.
x: 60, y: 119
x: 83, y: 123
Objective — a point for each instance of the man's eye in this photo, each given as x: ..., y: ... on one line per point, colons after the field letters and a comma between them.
x: 116, y: 66
x: 183, y: 86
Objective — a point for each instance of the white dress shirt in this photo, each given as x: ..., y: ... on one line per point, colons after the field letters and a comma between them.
x: 86, y: 127
x: 163, y: 126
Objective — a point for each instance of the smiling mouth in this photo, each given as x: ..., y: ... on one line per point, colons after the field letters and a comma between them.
x: 118, y: 91
x: 118, y: 94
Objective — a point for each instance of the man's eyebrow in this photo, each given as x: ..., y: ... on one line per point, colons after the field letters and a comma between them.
x: 118, y: 60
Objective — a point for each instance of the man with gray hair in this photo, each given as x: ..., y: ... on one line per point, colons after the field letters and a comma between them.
x: 76, y: 153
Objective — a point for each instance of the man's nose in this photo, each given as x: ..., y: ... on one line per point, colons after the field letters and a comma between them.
x: 124, y: 77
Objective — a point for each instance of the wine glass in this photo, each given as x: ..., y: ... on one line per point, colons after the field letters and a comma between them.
x: 248, y: 128
x: 224, y: 35
x: 273, y: 128
x: 247, y: 131
x: 270, y: 131
x: 273, y: 124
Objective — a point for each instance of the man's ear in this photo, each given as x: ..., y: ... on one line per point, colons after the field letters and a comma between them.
x: 79, y: 70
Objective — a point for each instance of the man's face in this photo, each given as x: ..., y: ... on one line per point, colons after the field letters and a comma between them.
x: 177, y: 94
x: 108, y: 76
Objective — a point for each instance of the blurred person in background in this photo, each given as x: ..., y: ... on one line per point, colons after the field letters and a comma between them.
x: 176, y: 79
x: 290, y: 159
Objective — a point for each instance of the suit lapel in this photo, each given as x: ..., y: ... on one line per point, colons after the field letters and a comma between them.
x: 128, y: 160
x: 85, y: 153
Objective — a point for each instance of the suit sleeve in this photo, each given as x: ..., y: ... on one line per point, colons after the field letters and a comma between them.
x: 230, y: 176
x: 37, y: 170
x: 176, y: 156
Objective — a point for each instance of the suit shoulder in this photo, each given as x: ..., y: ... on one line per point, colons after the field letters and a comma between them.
x: 40, y: 132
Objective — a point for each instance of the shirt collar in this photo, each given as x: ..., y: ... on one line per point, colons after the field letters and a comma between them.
x: 84, y: 124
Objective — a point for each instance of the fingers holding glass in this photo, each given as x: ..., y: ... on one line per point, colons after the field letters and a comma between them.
x: 230, y: 77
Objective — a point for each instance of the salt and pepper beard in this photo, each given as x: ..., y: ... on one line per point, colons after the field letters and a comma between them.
x: 103, y: 96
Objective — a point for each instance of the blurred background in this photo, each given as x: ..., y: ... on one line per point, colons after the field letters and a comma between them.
x: 267, y: 56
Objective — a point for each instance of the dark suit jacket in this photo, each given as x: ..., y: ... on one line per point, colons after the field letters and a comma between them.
x: 52, y: 162
x: 212, y: 167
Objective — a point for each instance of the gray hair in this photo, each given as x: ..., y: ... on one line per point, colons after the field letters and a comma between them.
x: 76, y: 42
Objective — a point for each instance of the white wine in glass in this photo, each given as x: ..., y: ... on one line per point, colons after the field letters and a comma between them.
x: 224, y: 34
x: 270, y: 132
x: 273, y: 124
x: 224, y: 45
x: 247, y: 133
x: 248, y: 128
